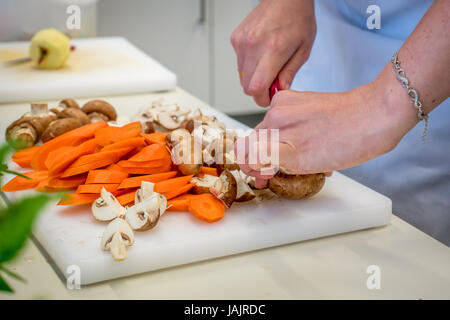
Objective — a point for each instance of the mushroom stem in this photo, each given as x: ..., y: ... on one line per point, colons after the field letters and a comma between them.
x: 118, y: 247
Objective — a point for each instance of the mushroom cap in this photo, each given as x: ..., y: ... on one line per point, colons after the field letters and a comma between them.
x: 121, y: 227
x: 106, y: 207
x: 60, y: 126
x: 243, y: 192
x: 21, y: 135
x: 100, y: 106
x: 74, y: 113
x: 296, y: 186
x: 69, y: 103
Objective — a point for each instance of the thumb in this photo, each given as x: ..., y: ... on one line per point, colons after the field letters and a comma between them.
x: 291, y: 67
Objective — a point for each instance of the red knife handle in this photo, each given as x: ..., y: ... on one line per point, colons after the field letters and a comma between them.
x: 274, y: 88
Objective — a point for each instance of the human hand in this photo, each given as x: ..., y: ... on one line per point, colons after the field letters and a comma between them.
x: 274, y: 39
x: 323, y: 132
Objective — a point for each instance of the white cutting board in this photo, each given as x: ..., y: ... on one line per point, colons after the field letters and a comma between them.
x: 72, y: 237
x: 98, y: 66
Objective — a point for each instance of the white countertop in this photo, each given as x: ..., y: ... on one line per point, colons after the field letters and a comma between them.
x: 413, y: 265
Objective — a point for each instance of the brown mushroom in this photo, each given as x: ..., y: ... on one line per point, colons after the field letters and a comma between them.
x: 69, y: 103
x: 203, y: 184
x: 99, y: 110
x: 60, y: 126
x: 184, y: 153
x: 225, y: 188
x: 291, y: 186
x: 74, y: 113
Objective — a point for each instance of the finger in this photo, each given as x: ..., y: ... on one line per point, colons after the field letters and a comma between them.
x: 328, y: 174
x: 261, y: 183
x: 289, y: 70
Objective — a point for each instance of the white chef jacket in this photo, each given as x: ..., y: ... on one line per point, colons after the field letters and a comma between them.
x: 345, y: 55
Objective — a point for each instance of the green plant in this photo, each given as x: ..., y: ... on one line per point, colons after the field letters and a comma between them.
x: 16, y: 221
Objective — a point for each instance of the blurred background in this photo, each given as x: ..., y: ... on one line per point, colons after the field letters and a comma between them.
x: 190, y: 37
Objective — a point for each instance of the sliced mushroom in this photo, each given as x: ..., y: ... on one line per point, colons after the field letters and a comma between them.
x: 203, y: 185
x: 225, y: 188
x: 148, y: 208
x: 107, y: 208
x: 116, y: 237
x: 186, y: 154
x: 243, y: 192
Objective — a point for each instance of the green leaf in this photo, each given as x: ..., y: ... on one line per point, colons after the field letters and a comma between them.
x: 16, y: 173
x: 12, y: 274
x: 4, y: 286
x: 16, y: 222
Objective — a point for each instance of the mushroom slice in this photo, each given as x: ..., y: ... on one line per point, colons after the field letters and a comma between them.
x: 244, y: 192
x: 225, y: 188
x: 146, y: 191
x: 202, y: 185
x: 116, y: 237
x: 145, y: 214
x: 107, y: 208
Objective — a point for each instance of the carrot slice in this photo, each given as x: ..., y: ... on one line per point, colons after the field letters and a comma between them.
x: 110, y: 135
x: 156, y: 137
x: 130, y: 142
x: 106, y: 176
x: 206, y: 207
x: 26, y: 152
x: 148, y: 170
x: 95, y: 157
x: 174, y: 193
x: 97, y: 188
x: 58, y: 160
x: 66, y: 183
x: 178, y: 205
x: 78, y: 198
x: 135, y: 182
x: 19, y: 183
x: 114, y: 167
x: 24, y: 161
x: 151, y: 152
x: 126, y: 198
x: 210, y: 171
x: 172, y: 184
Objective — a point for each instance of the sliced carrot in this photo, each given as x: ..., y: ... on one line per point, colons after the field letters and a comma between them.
x: 130, y: 142
x: 24, y: 161
x: 174, y: 193
x: 173, y: 184
x: 97, y: 188
x: 148, y: 170
x: 26, y: 152
x: 58, y: 160
x: 113, y: 155
x: 142, y: 164
x: 106, y: 136
x: 71, y: 138
x: 78, y: 198
x: 178, y: 205
x: 135, y: 182
x: 66, y: 183
x: 19, y: 183
x: 206, y: 207
x: 156, y: 137
x: 106, y: 176
x: 126, y: 198
x: 151, y: 152
x: 114, y: 167
x: 210, y: 171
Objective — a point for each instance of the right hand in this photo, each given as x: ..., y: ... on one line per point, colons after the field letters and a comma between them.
x: 274, y: 39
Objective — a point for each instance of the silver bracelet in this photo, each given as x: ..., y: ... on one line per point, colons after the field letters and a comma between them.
x: 412, y: 93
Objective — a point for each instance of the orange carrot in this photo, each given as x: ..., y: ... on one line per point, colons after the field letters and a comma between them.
x: 178, y: 204
x: 59, y: 159
x: 148, y: 170
x: 126, y: 198
x: 106, y: 176
x: 95, y: 157
x: 78, y: 198
x: 66, y: 183
x: 134, y: 182
x: 156, y: 137
x: 97, y: 188
x: 210, y: 171
x: 114, y: 167
x: 24, y: 161
x: 25, y: 152
x: 19, y: 183
x: 206, y: 207
x: 174, y: 193
x: 106, y: 136
x: 151, y: 152
x: 173, y: 184
x: 124, y: 143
